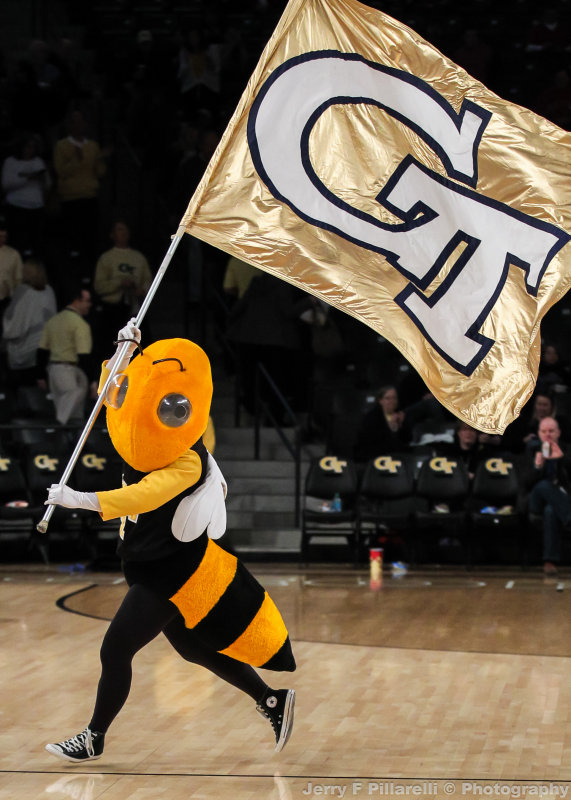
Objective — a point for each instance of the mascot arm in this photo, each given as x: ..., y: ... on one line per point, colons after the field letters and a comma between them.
x: 153, y: 490
x: 128, y: 332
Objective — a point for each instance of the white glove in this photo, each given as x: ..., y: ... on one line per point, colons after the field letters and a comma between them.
x: 204, y: 509
x: 61, y: 495
x: 130, y: 331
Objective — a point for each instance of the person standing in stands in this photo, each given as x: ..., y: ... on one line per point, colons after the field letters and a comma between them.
x: 122, y: 278
x: 10, y: 268
x: 237, y: 278
x: 65, y: 349
x: 79, y: 163
x: 265, y: 327
x: 32, y: 305
x: 25, y: 180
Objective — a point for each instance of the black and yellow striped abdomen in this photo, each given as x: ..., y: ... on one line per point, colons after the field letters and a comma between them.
x: 227, y: 607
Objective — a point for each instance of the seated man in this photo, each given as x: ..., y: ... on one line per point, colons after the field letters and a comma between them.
x: 548, y: 473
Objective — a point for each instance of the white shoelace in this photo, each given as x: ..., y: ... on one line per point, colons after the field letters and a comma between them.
x: 76, y: 743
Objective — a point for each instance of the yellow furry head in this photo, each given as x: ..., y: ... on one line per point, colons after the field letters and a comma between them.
x: 159, y: 406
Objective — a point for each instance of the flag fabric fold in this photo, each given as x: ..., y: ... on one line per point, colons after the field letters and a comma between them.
x: 366, y: 168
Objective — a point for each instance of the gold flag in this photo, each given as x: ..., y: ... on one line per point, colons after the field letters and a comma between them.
x: 364, y: 167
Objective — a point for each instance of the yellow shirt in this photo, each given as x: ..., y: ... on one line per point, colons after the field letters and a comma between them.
x: 114, y: 266
x: 66, y: 336
x: 77, y: 178
x: 238, y: 275
x: 10, y: 271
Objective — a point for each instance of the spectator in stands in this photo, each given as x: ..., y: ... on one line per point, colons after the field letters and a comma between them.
x: 148, y: 62
x: 199, y: 66
x: 182, y: 148
x: 122, y: 278
x: 237, y: 277
x: 74, y: 63
x: 492, y: 444
x: 25, y: 180
x: 428, y: 419
x: 10, y: 267
x: 47, y: 77
x: 65, y: 349
x: 554, y: 374
x: 189, y: 172
x: 26, y: 98
x: 266, y: 328
x: 79, y: 164
x: 383, y: 429
x: 466, y: 447
x: 524, y: 429
x: 32, y: 305
x: 548, y: 477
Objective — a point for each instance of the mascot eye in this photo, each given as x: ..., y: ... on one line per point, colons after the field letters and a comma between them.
x: 116, y: 391
x: 174, y: 410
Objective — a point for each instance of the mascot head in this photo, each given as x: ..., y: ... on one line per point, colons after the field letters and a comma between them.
x: 159, y: 406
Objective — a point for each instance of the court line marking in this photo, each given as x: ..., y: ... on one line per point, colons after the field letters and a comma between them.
x: 242, y: 775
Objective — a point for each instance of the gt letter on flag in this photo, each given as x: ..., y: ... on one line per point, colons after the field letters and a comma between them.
x: 364, y: 167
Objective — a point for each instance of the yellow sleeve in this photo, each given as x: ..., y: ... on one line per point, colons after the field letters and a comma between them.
x: 64, y: 162
x: 106, y: 281
x: 83, y: 340
x: 103, y: 377
x: 154, y: 490
x: 209, y: 436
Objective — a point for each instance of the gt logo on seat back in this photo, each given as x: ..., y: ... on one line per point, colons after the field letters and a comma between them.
x: 332, y: 464
x: 387, y: 464
x: 441, y: 464
x: 91, y: 461
x: 498, y: 465
x: 43, y: 461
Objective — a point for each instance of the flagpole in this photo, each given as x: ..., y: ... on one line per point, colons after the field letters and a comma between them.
x: 42, y: 526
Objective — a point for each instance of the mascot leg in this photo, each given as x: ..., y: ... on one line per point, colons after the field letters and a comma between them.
x: 275, y: 705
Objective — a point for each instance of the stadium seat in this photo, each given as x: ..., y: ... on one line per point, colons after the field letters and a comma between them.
x: 31, y: 401
x: 16, y: 518
x: 34, y: 436
x: 44, y: 464
x: 494, y: 499
x: 100, y: 441
x: 6, y: 407
x: 442, y: 486
x: 386, y: 499
x: 326, y: 477
x: 97, y: 469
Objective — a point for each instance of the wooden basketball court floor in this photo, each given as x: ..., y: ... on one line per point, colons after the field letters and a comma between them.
x: 441, y: 683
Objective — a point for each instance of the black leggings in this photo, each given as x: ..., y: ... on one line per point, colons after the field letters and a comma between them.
x: 140, y: 618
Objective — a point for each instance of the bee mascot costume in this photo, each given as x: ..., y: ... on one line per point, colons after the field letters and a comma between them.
x: 171, y: 504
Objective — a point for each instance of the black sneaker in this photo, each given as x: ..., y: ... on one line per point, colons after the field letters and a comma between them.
x: 277, y: 705
x: 86, y: 746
